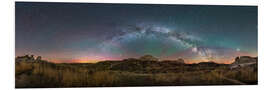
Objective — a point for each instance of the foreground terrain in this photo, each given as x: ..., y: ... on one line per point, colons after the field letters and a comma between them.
x: 145, y: 71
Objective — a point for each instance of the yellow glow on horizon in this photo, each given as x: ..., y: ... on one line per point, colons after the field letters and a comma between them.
x: 86, y: 61
x: 204, y: 60
x: 188, y: 61
x: 74, y: 61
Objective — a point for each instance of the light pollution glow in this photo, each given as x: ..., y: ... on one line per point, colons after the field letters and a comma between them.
x: 88, y: 33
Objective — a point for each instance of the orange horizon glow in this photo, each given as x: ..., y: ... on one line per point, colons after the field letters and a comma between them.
x: 198, y: 61
x: 74, y: 61
x: 187, y: 61
x: 95, y: 61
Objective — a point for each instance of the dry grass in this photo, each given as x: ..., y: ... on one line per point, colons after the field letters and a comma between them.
x: 40, y: 74
x: 22, y: 67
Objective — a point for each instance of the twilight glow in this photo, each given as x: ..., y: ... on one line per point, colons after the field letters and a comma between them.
x: 87, y: 33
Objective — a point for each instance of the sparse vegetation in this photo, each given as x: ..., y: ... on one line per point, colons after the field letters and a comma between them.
x: 129, y: 72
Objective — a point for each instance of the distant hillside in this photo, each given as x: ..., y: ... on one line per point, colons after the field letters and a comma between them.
x: 144, y: 71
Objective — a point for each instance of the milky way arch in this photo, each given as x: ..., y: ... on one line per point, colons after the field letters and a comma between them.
x: 150, y: 33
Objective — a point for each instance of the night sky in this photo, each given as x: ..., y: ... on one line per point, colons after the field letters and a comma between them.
x: 81, y: 32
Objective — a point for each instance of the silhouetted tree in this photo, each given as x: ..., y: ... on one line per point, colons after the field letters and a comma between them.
x: 32, y: 57
x: 38, y: 58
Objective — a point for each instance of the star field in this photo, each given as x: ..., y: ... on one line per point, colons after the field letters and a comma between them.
x: 81, y: 32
